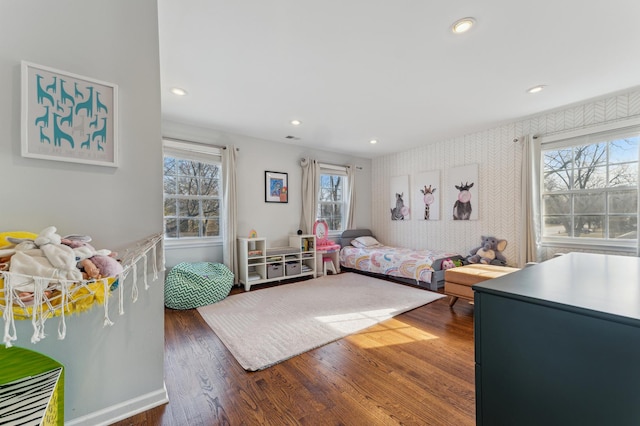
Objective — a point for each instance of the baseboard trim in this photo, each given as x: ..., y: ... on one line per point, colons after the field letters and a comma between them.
x: 124, y: 410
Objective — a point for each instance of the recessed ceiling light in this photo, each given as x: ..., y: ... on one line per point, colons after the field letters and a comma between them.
x: 296, y: 122
x: 536, y: 89
x: 462, y: 25
x: 178, y: 91
x: 373, y: 141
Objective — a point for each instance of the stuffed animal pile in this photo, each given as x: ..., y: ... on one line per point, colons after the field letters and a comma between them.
x: 52, y: 256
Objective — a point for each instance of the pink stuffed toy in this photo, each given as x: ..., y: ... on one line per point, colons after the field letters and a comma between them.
x: 95, y: 263
x: 107, y: 265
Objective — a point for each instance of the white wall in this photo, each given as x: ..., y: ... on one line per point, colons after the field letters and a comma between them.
x: 114, y: 41
x: 499, y: 160
x: 271, y: 220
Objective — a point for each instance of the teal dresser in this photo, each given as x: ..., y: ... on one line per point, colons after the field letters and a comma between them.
x: 558, y: 343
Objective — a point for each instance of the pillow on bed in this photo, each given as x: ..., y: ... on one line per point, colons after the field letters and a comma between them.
x: 365, y: 242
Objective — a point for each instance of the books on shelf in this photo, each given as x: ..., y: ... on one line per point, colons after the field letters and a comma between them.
x: 307, y: 244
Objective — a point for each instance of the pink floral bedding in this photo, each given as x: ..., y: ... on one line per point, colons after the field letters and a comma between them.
x: 394, y: 261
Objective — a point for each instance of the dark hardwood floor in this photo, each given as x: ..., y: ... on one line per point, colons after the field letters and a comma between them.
x: 414, y: 369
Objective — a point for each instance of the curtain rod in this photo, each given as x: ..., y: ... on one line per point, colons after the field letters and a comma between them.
x: 334, y: 166
x: 617, y: 124
x: 197, y: 143
x: 337, y: 166
x: 518, y: 139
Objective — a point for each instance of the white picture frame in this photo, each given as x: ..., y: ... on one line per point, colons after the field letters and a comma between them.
x: 68, y: 117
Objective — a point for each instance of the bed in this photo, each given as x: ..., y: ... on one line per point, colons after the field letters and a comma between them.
x: 419, y: 267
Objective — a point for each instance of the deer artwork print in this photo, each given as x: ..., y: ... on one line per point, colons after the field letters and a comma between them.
x: 428, y: 199
x: 462, y: 206
x: 399, y: 211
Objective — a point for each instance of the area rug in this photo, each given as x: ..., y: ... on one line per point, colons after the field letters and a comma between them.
x: 264, y: 327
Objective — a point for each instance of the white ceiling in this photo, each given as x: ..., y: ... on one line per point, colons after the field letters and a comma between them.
x: 391, y: 70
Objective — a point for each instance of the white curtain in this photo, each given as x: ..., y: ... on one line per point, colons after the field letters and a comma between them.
x: 530, y: 201
x: 351, y: 197
x: 638, y: 236
x: 230, y: 197
x: 310, y: 188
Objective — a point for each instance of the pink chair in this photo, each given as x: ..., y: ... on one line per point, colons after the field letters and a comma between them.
x: 328, y: 266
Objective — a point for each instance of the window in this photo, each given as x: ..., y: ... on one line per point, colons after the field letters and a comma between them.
x: 589, y: 189
x: 331, y: 198
x: 192, y: 191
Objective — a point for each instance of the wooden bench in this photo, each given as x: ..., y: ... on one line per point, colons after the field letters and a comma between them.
x: 458, y: 281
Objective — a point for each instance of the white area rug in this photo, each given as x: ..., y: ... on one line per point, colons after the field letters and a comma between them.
x: 264, y: 327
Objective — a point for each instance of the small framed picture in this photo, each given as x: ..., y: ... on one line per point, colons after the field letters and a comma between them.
x: 276, y: 187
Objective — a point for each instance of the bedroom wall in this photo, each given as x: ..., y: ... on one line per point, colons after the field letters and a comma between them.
x: 270, y: 220
x: 499, y: 172
x: 114, y: 370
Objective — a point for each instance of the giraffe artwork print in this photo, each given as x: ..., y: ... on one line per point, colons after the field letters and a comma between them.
x: 426, y: 195
x: 68, y: 117
x: 428, y: 199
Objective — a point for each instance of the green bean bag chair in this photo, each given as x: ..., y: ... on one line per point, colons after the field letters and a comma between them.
x: 191, y: 285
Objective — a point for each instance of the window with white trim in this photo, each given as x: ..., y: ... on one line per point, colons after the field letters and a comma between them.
x: 192, y: 191
x: 589, y: 189
x: 332, y: 205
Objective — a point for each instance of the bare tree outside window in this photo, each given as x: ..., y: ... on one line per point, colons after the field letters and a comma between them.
x: 591, y: 190
x: 192, y: 194
x: 331, y: 201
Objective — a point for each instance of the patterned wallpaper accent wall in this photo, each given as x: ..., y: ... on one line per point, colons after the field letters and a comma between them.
x: 499, y: 174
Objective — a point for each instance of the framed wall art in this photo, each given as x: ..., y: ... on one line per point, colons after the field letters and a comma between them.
x: 427, y: 190
x: 463, y: 192
x: 399, y: 198
x: 68, y: 117
x: 276, y: 187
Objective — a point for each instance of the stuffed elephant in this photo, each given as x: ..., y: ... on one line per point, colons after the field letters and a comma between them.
x: 489, y: 252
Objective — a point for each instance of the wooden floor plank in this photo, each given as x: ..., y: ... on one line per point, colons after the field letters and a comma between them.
x: 414, y: 369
